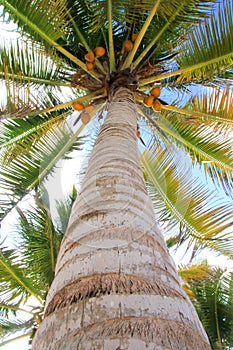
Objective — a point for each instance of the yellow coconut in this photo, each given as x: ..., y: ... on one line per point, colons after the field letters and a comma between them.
x: 90, y: 56
x: 134, y: 37
x: 89, y: 108
x: 90, y: 65
x: 99, y: 51
x: 148, y: 101
x: 77, y: 106
x: 128, y: 45
x: 157, y: 106
x: 156, y: 91
x: 85, y: 118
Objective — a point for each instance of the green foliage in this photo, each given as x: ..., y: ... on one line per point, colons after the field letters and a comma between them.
x: 180, y: 198
x: 212, y: 295
x: 209, y: 47
x: 28, y: 269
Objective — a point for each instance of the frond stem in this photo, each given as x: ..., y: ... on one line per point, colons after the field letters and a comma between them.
x: 110, y: 39
x: 157, y: 37
x: 23, y: 78
x: 184, y: 70
x: 204, y: 116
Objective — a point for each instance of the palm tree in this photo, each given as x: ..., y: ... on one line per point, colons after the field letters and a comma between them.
x: 210, y: 289
x: 115, y: 284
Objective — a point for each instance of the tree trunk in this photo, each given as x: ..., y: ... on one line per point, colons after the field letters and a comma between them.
x: 116, y: 287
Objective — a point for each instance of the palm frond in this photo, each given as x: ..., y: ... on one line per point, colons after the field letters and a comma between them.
x: 15, y: 64
x: 206, y: 51
x: 12, y: 319
x: 180, y: 198
x: 210, y: 145
x: 46, y: 15
x: 26, y: 168
x: 170, y: 22
x: 194, y: 271
x: 212, y: 297
x: 16, y: 285
x: 64, y: 210
x: 216, y: 103
x: 44, y: 20
x: 39, y: 241
x: 209, y: 47
x: 7, y: 327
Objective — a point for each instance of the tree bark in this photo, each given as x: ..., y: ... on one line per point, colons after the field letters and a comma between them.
x: 116, y: 287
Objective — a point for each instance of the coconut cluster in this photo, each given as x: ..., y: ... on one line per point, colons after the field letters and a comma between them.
x: 128, y: 44
x: 107, y: 81
x: 92, y: 55
x: 85, y: 111
x: 152, y: 99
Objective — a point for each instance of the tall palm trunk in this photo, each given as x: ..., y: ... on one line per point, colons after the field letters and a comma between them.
x: 116, y: 287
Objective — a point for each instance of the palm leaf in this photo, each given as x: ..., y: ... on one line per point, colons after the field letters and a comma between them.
x: 213, y: 298
x: 40, y: 242
x: 8, y: 327
x: 44, y: 20
x: 12, y: 319
x: 46, y: 15
x: 14, y: 281
x: 180, y: 198
x: 209, y: 46
x: 26, y: 168
x: 210, y: 145
x: 15, y: 64
x: 215, y: 103
x: 64, y: 210
x: 206, y: 50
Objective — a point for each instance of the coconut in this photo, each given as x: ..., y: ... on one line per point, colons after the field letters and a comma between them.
x: 148, y: 101
x: 156, y: 91
x: 134, y: 37
x: 128, y: 45
x: 77, y: 106
x: 89, y: 108
x: 157, y: 106
x: 85, y: 118
x: 90, y: 56
x: 99, y: 51
x: 90, y: 65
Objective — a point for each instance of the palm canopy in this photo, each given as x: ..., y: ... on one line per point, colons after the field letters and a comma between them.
x: 73, y: 54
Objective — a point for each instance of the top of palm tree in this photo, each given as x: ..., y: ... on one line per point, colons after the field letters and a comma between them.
x: 175, y: 56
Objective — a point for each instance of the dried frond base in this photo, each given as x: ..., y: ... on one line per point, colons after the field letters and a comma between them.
x: 102, y: 284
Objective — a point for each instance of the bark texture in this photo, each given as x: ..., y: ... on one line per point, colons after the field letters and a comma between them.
x: 116, y: 287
